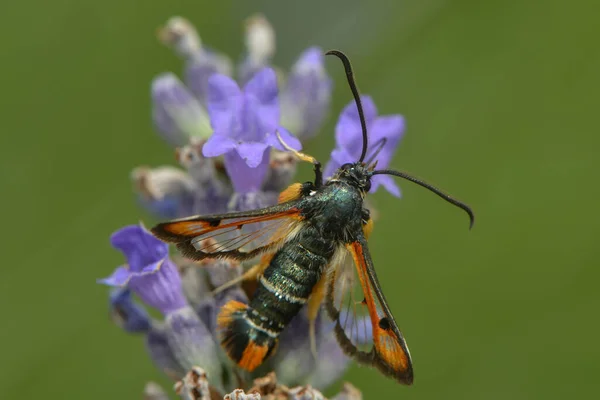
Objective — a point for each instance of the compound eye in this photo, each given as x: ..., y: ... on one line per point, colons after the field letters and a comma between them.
x: 346, y: 166
x: 367, y: 185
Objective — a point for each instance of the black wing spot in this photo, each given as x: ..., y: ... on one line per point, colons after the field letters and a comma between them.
x: 384, y: 323
x: 214, y: 222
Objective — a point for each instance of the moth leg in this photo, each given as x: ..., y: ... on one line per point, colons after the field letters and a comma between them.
x: 314, y: 304
x: 306, y: 158
x: 251, y: 274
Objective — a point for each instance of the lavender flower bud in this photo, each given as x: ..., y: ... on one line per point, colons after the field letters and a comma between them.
x: 177, y: 115
x: 179, y: 34
x: 160, y: 351
x: 306, y: 98
x: 260, y: 45
x: 164, y: 191
x: 192, y: 343
x: 126, y: 313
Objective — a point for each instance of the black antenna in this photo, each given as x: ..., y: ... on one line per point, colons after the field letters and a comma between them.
x: 379, y: 145
x: 354, y: 88
x: 435, y: 190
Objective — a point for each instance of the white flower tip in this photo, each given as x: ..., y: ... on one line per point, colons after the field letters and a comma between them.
x: 350, y: 392
x: 156, y: 183
x: 180, y: 34
x: 260, y: 38
x: 194, y: 385
x: 139, y: 179
x: 312, y: 60
x: 153, y: 391
x: 186, y: 156
x: 191, y: 154
x: 239, y: 394
x: 282, y: 159
x: 165, y: 81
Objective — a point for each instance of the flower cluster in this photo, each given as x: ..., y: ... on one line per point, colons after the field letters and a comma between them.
x: 224, y: 133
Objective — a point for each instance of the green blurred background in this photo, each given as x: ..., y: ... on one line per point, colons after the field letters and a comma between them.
x: 501, y: 100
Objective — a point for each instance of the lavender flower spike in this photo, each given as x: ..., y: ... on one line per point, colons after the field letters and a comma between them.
x: 386, y: 130
x: 176, y: 114
x: 149, y: 272
x: 306, y: 98
x: 245, y: 124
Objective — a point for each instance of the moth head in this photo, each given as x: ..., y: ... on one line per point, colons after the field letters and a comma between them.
x: 356, y: 174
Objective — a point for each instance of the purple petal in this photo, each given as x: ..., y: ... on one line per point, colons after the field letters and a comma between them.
x: 348, y: 131
x: 225, y: 103
x: 263, y: 86
x: 217, y: 145
x: 252, y: 153
x: 118, y: 278
x: 160, y: 289
x: 289, y: 139
x: 254, y: 124
x: 388, y: 182
x: 149, y: 273
x: 391, y: 128
x: 245, y: 179
x: 338, y: 158
x: 141, y: 249
x: 260, y: 115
